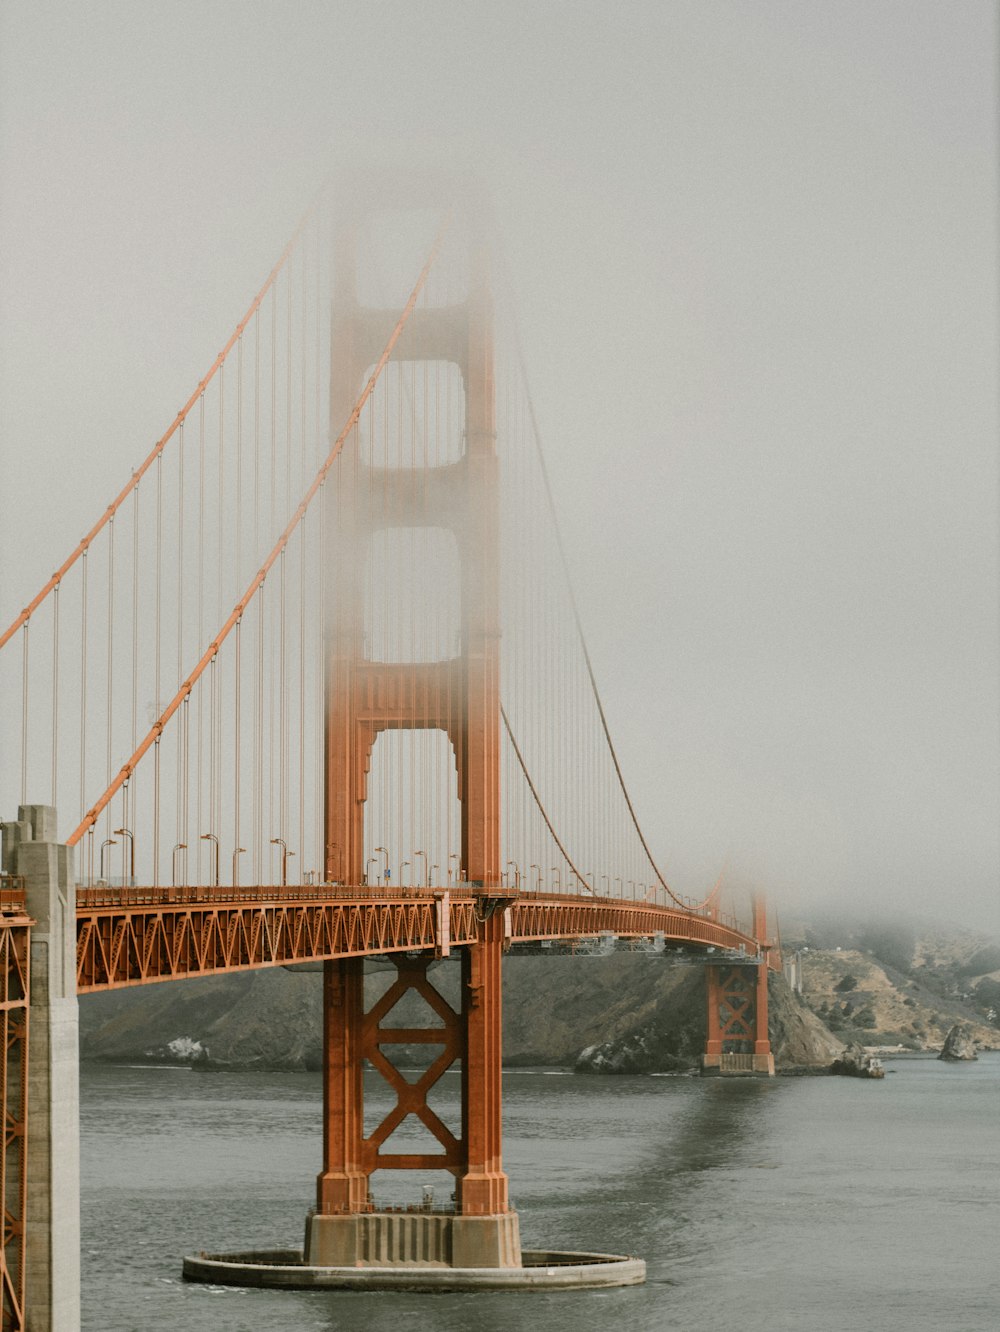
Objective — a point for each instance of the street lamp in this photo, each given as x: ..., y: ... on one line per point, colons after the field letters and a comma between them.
x: 236, y: 865
x: 458, y: 872
x: 431, y: 874
x: 124, y: 832
x: 180, y: 846
x: 538, y: 877
x: 380, y: 850
x: 517, y: 874
x: 402, y: 867
x: 211, y: 837
x: 280, y: 841
x: 108, y: 841
x: 558, y: 873
x: 427, y: 872
x: 372, y: 860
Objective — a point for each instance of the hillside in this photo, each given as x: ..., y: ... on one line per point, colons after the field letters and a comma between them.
x: 892, y: 984
x: 634, y: 1012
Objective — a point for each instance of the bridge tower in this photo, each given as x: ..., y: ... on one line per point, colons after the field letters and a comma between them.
x: 459, y: 696
x: 737, y: 1041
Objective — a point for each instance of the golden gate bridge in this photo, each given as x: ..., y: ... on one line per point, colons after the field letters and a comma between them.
x: 314, y: 688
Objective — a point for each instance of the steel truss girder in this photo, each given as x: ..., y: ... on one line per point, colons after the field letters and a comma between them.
x: 15, y: 956
x: 134, y: 945
x: 136, y: 936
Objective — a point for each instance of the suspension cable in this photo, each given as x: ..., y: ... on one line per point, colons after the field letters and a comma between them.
x: 153, y: 737
x: 707, y: 901
x: 538, y: 801
x: 161, y: 443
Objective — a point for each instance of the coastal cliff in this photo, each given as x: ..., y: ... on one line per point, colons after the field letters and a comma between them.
x: 631, y: 1012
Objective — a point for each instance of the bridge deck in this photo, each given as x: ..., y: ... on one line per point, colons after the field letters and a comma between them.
x: 134, y: 936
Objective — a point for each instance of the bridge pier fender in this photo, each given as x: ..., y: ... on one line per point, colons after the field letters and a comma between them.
x: 52, y: 1249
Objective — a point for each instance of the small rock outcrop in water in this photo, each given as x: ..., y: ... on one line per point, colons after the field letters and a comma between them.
x: 856, y: 1062
x: 958, y: 1045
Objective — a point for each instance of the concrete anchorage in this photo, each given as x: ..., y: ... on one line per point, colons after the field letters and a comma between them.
x: 52, y: 1247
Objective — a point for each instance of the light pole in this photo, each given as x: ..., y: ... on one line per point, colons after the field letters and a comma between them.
x: 380, y: 850
x: 538, y: 877
x: 458, y: 872
x: 558, y: 873
x: 608, y: 882
x: 517, y: 874
x: 372, y: 860
x: 280, y: 841
x: 431, y: 874
x: 124, y: 832
x: 402, y: 867
x: 619, y: 883
x: 108, y: 841
x: 211, y: 837
x: 236, y: 865
x: 427, y: 872
x: 179, y: 846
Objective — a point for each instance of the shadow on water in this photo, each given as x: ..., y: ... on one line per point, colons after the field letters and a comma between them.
x: 606, y: 1164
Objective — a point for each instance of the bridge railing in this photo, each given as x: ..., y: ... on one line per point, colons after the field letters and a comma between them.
x: 12, y: 895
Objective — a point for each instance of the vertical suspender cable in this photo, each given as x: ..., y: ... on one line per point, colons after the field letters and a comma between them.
x: 128, y: 820
x: 55, y: 691
x: 180, y: 813
x: 304, y: 529
x: 199, y: 766
x: 24, y: 714
x: 111, y: 653
x: 236, y: 750
x: 239, y: 464
x: 84, y: 562
x: 158, y: 598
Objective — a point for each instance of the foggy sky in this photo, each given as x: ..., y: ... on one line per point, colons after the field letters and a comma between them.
x: 754, y: 253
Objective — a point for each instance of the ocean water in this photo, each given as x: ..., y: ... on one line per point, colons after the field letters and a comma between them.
x: 829, y: 1204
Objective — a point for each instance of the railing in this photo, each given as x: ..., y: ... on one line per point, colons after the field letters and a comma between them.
x: 13, y: 901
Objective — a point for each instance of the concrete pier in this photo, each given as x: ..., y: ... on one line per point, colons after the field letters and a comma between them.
x: 52, y: 1250
x: 421, y: 1239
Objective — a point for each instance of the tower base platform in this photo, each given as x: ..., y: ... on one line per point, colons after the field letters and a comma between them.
x: 417, y: 1238
x: 737, y: 1066
x: 540, y: 1269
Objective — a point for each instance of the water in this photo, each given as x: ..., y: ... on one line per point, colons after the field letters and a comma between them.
x: 815, y: 1203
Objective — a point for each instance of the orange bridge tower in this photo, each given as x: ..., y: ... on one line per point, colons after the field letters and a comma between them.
x: 460, y: 696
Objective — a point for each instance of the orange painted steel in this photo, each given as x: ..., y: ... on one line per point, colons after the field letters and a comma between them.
x: 134, y: 936
x: 732, y: 1009
x: 236, y: 615
x: 350, y: 1157
x: 461, y: 695
x: 135, y: 944
x: 15, y: 963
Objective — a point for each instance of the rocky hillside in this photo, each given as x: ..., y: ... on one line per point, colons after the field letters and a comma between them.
x: 645, y: 1013
x: 895, y: 985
